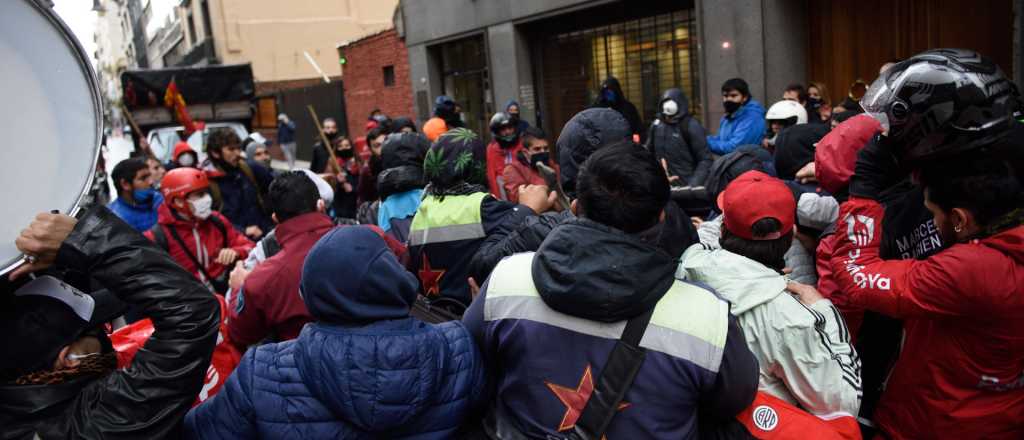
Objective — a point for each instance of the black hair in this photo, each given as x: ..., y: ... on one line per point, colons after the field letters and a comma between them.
x: 737, y: 84
x: 531, y: 134
x: 801, y: 92
x: 293, y: 194
x: 622, y: 186
x: 220, y: 138
x: 771, y: 253
x: 127, y: 169
x: 376, y: 131
x: 986, y: 186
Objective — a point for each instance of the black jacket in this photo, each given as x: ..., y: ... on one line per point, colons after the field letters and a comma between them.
x: 150, y: 398
x: 320, y: 158
x: 524, y: 231
x: 795, y: 148
x: 681, y: 142
x: 621, y: 105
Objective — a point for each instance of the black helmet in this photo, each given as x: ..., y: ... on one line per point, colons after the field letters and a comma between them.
x: 501, y: 120
x: 942, y: 102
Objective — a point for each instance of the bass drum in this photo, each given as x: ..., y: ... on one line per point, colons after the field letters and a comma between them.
x: 51, y: 121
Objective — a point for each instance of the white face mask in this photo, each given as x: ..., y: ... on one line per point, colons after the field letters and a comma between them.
x: 202, y: 207
x: 670, y: 108
x: 186, y: 160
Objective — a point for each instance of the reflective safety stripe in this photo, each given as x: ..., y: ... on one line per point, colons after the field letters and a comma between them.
x: 457, y: 218
x: 689, y: 322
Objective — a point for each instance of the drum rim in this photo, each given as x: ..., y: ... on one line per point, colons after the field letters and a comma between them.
x: 86, y: 67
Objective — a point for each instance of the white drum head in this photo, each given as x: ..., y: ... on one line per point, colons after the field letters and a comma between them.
x: 50, y: 121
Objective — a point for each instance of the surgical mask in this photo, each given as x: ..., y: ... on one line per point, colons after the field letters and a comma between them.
x: 346, y: 153
x: 202, y: 207
x: 380, y: 118
x: 540, y: 157
x: 186, y: 160
x: 731, y: 106
x: 144, y: 195
x: 669, y: 108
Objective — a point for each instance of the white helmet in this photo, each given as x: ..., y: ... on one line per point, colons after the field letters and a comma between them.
x: 786, y: 109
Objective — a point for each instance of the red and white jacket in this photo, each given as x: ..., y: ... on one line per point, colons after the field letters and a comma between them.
x: 961, y: 371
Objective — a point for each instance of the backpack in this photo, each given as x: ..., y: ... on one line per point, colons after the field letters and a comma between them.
x: 218, y: 199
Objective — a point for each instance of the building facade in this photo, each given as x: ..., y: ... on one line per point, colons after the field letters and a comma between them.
x: 552, y: 55
x: 376, y: 76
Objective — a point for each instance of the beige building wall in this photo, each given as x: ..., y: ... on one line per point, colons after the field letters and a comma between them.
x: 272, y: 34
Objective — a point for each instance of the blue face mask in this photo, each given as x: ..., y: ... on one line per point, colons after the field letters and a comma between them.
x: 608, y: 95
x: 143, y: 196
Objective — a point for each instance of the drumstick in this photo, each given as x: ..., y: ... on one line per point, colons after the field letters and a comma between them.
x: 138, y: 131
x: 323, y: 138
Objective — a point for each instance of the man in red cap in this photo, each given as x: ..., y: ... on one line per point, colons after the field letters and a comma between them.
x: 200, y: 239
x: 804, y: 353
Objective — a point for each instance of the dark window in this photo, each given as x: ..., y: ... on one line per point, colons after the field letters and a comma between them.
x: 389, y: 76
x: 192, y: 30
x: 207, y: 28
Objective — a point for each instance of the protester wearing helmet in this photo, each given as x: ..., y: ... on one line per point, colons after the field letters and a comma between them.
x: 947, y: 113
x: 200, y: 239
x: 781, y: 115
x: 501, y: 152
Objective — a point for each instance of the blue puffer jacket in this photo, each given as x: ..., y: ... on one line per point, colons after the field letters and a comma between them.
x: 364, y: 369
x: 746, y: 126
x: 141, y: 217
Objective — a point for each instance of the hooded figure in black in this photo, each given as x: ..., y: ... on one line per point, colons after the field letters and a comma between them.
x: 795, y: 148
x: 611, y: 96
x: 678, y: 139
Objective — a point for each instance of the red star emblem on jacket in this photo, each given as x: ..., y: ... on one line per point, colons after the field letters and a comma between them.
x: 575, y: 399
x: 430, y: 278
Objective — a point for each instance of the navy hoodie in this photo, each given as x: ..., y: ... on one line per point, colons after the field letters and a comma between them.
x: 363, y: 369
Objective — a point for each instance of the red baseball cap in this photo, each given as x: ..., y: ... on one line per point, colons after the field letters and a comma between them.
x: 753, y: 196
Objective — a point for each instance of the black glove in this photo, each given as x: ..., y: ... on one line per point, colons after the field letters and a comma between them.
x: 877, y: 169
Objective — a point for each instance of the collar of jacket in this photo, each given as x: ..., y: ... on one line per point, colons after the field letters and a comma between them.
x: 312, y: 222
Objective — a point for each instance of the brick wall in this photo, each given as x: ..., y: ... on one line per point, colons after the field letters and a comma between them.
x: 363, y: 74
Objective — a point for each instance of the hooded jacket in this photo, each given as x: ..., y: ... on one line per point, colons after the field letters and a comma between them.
x: 587, y: 131
x: 620, y: 104
x: 959, y: 374
x: 149, y: 399
x: 745, y: 126
x: 521, y: 125
x: 681, y: 142
x: 204, y: 236
x: 546, y: 322
x: 794, y: 148
x: 804, y: 353
x: 364, y: 370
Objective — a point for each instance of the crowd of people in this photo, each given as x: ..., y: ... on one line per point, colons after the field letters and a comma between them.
x: 809, y: 271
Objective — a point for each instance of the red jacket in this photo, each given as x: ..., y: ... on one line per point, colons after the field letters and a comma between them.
x: 269, y: 301
x: 520, y: 173
x: 961, y: 371
x: 497, y: 159
x: 208, y: 234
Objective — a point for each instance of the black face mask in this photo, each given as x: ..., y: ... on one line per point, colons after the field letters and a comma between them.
x: 507, y: 141
x: 731, y: 106
x: 539, y: 157
x: 814, y: 103
x: 331, y: 136
x: 346, y: 153
x: 514, y: 117
x: 376, y: 164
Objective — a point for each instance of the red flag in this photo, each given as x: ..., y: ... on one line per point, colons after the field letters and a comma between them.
x: 176, y: 102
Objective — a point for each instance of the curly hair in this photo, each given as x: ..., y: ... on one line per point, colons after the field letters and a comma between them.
x: 220, y: 138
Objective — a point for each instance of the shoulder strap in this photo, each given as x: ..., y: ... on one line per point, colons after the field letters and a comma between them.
x: 160, y: 237
x: 218, y: 199
x: 244, y: 167
x: 615, y: 379
x: 177, y: 239
x: 222, y: 228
